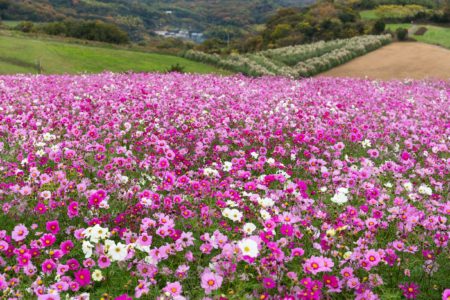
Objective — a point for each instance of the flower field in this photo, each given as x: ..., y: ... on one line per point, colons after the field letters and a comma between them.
x: 295, y: 61
x: 151, y: 186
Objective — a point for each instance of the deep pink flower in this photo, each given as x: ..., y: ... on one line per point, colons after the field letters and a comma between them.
x: 48, y: 266
x: 83, y: 277
x: 269, y: 283
x: 52, y: 226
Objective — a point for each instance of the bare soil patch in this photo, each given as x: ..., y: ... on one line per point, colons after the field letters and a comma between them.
x: 398, y: 61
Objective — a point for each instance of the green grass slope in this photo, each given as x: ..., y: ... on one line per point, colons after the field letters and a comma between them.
x: 435, y: 35
x: 20, y: 55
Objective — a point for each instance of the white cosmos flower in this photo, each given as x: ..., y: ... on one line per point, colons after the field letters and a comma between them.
x: 97, y: 275
x: 265, y: 214
x: 341, y: 196
x: 266, y: 202
x: 96, y: 233
x: 227, y: 166
x: 232, y: 214
x: 231, y: 203
x: 408, y: 186
x: 40, y: 153
x: 117, y: 252
x: 425, y: 190
x: 248, y: 247
x: 87, y: 249
x: 249, y: 228
x: 366, y: 143
x: 147, y: 202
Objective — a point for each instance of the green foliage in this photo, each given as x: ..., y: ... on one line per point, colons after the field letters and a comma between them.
x: 401, y: 33
x: 25, y: 26
x: 322, y: 21
x: 88, y: 30
x: 177, y: 68
x: 434, y: 35
x: 369, y: 4
x: 378, y: 27
x: 399, y: 11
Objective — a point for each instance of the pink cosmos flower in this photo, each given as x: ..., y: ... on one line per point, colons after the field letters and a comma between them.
x: 103, y: 262
x: 48, y: 240
x: 173, y: 288
x: 141, y: 289
x: 48, y: 266
x: 19, y: 233
x: 410, y: 290
x: 72, y: 209
x: 210, y: 281
x: 66, y: 246
x: 52, y: 226
x: 83, y: 277
x: 269, y: 283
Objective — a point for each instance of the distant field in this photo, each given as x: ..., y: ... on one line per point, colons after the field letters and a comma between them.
x: 435, y: 35
x: 11, y: 23
x: 368, y: 14
x: 20, y: 55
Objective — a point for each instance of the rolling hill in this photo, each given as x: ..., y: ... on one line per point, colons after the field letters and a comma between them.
x: 23, y: 55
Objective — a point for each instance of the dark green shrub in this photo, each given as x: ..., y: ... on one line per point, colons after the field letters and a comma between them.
x: 378, y: 27
x: 402, y: 34
x: 176, y: 68
x: 25, y: 26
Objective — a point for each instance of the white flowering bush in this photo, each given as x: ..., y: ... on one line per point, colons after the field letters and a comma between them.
x: 295, y: 61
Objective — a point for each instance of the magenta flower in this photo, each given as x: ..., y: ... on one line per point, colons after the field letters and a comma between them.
x: 66, y: 246
x: 48, y: 240
x: 72, y: 209
x: 48, y: 266
x: 410, y: 290
x: 269, y: 283
x: 123, y: 297
x: 52, y: 226
x: 83, y: 277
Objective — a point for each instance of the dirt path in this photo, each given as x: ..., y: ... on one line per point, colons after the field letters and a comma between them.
x: 398, y: 61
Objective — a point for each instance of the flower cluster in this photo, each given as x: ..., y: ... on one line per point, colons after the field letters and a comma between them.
x: 171, y: 186
x: 295, y: 61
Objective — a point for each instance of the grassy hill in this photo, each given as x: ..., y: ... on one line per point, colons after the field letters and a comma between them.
x: 435, y: 35
x: 22, y: 54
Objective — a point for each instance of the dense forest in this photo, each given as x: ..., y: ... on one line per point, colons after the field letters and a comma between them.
x: 138, y: 15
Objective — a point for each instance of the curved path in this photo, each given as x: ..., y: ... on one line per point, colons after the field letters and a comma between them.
x: 398, y: 61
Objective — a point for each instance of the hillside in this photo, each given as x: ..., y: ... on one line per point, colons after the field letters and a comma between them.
x: 136, y: 15
x: 21, y: 55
